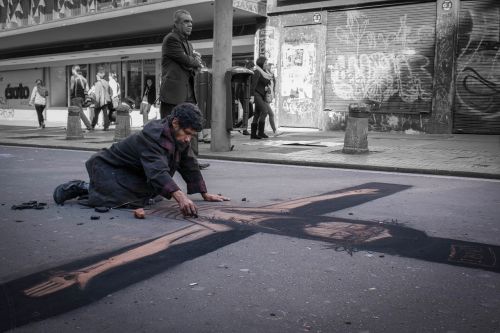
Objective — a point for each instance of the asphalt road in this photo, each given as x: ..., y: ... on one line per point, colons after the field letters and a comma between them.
x: 366, y: 252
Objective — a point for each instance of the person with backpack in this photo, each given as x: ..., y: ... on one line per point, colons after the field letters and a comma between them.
x: 79, y: 87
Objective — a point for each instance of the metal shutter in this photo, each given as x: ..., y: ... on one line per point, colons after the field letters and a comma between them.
x: 384, y: 56
x: 477, y: 99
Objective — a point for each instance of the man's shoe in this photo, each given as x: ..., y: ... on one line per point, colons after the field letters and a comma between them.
x: 245, y: 132
x: 70, y: 190
x: 203, y: 165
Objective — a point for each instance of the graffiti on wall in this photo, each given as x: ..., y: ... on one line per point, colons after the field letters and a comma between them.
x: 381, y: 66
x: 478, y: 64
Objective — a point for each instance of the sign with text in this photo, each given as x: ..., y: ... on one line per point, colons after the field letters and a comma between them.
x: 16, y: 86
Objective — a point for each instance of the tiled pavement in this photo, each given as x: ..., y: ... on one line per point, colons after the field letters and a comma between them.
x: 456, y: 155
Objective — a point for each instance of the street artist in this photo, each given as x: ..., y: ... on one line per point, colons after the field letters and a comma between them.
x: 141, y: 167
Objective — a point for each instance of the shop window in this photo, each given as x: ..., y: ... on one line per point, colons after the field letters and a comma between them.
x: 132, y: 72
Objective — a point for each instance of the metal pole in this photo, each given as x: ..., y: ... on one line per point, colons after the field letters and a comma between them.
x: 222, y: 61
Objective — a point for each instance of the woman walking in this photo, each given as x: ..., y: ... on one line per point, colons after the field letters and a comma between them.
x: 39, y: 99
x: 148, y: 99
x: 260, y: 92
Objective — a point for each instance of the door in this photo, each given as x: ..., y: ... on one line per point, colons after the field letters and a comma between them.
x: 301, y: 99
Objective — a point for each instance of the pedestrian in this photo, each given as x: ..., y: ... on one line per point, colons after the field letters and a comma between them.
x: 179, y: 65
x: 260, y: 95
x: 79, y: 87
x: 102, y: 98
x: 148, y: 99
x: 240, y: 95
x: 114, y: 87
x: 270, y: 95
x: 142, y: 166
x: 39, y: 100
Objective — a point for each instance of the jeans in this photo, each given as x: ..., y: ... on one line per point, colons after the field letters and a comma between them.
x: 78, y: 101
x: 39, y: 112
x: 262, y: 109
x: 105, y: 116
x: 145, y: 107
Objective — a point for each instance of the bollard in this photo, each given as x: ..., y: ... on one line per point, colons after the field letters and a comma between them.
x: 73, y: 127
x: 356, y: 132
x: 122, y: 128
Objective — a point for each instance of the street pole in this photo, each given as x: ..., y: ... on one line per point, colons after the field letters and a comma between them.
x: 222, y: 61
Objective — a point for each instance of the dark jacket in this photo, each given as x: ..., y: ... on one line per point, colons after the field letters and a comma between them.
x: 141, y: 167
x: 151, y: 94
x: 178, y: 68
x: 259, y: 84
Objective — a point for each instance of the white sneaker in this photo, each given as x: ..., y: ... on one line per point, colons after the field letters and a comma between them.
x: 277, y: 133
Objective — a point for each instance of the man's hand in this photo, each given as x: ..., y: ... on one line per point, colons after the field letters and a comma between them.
x: 251, y: 99
x: 214, y: 197
x: 187, y: 207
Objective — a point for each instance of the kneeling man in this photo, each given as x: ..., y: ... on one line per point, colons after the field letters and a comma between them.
x: 140, y: 167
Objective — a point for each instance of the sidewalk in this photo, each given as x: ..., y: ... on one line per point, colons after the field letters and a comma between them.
x: 455, y: 155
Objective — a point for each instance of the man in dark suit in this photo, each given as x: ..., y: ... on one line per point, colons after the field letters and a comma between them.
x: 179, y: 65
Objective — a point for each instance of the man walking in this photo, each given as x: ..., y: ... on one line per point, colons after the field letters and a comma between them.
x: 179, y: 65
x: 79, y: 89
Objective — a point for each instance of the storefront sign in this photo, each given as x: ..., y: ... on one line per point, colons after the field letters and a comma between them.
x: 19, y: 92
x: 16, y: 86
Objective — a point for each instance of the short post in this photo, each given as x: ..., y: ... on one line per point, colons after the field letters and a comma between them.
x: 356, y: 132
x: 73, y: 127
x: 122, y: 129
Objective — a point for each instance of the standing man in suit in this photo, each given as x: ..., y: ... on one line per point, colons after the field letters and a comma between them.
x: 179, y: 65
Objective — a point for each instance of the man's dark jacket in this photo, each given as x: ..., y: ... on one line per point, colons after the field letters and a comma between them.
x: 178, y: 68
x: 142, y: 166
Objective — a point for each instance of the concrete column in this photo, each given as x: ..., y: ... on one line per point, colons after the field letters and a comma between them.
x: 444, y: 66
x: 222, y: 61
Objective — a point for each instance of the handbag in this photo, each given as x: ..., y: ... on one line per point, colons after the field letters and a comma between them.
x: 116, y: 102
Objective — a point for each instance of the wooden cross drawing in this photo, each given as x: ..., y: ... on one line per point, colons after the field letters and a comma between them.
x: 220, y: 225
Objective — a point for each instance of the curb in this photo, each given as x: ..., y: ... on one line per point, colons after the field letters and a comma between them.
x: 438, y: 172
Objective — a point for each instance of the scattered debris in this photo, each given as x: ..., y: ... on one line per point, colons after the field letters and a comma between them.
x: 243, y: 199
x: 30, y: 205
x: 139, y: 213
x: 244, y: 270
x: 81, y: 223
x: 19, y: 221
x: 193, y: 284
x: 351, y: 213
x: 95, y: 217
x: 101, y: 209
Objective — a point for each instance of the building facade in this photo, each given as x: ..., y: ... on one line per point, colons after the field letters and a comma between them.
x: 422, y: 66
x: 43, y: 39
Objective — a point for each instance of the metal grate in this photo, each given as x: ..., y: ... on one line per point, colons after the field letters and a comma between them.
x: 477, y: 99
x: 384, y: 56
